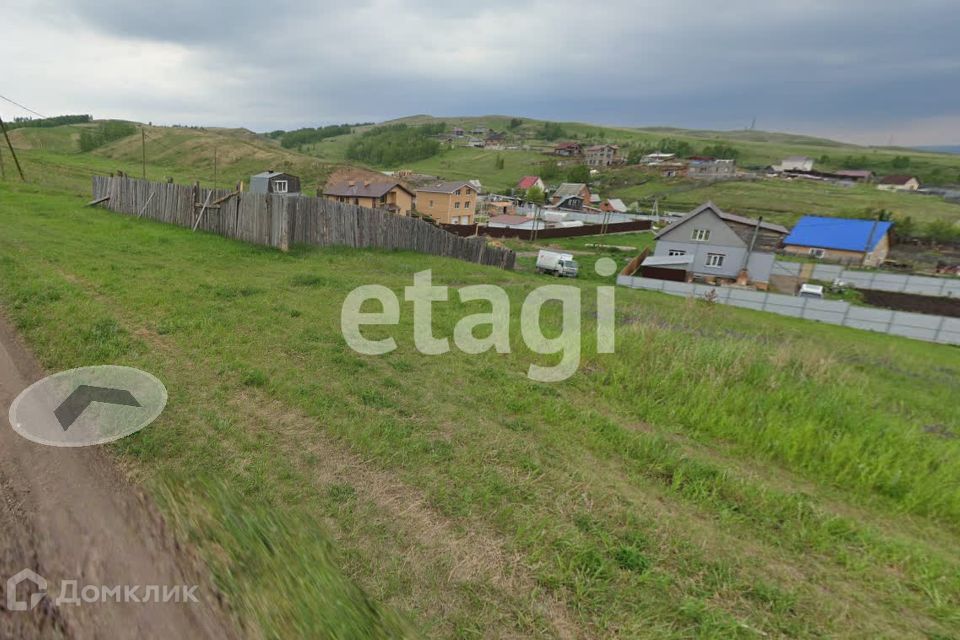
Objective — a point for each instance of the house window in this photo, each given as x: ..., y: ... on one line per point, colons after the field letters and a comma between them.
x: 466, y: 205
x: 279, y: 186
x: 457, y: 192
x: 456, y: 205
x: 455, y: 220
x: 715, y: 259
x: 431, y: 204
x: 701, y: 235
x: 676, y: 252
x: 817, y: 253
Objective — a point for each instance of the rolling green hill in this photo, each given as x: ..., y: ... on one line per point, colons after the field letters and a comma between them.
x: 187, y: 154
x: 52, y: 156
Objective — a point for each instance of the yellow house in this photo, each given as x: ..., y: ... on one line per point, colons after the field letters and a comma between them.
x: 390, y: 195
x: 448, y: 202
x: 899, y: 183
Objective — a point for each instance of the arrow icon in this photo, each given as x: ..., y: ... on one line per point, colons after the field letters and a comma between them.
x: 81, y: 398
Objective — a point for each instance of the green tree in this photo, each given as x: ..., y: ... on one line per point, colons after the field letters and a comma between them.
x: 549, y: 170
x: 904, y: 227
x: 942, y: 231
x: 105, y: 133
x: 498, y: 162
x: 515, y: 123
x: 681, y: 148
x: 900, y: 162
x: 551, y: 131
x: 395, y: 144
x: 536, y: 195
x: 722, y: 150
x: 579, y: 173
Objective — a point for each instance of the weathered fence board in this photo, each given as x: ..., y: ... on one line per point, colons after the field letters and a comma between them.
x: 283, y: 221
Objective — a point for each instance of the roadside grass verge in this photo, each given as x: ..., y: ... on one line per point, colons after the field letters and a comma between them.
x: 724, y: 474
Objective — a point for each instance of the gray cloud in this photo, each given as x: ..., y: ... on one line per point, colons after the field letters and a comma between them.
x: 819, y: 66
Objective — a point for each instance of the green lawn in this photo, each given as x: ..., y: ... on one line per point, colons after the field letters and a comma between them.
x: 725, y: 473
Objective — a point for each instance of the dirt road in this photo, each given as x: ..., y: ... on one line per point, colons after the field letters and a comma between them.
x: 68, y: 515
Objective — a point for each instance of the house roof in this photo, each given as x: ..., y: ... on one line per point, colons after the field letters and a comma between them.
x: 723, y: 215
x: 600, y: 147
x: 897, y: 180
x: 617, y: 204
x: 797, y: 159
x: 446, y: 187
x: 269, y: 174
x: 567, y: 189
x: 657, y: 261
x: 567, y: 145
x: 837, y: 233
x: 362, y: 188
x: 509, y: 220
x: 527, y: 181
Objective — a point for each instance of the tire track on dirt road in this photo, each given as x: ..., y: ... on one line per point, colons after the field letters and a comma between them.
x: 68, y: 514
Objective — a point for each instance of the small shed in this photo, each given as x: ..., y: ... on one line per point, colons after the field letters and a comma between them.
x: 274, y: 182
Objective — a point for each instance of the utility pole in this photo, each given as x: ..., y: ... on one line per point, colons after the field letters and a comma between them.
x: 873, y: 231
x: 3, y: 171
x: 214, y: 167
x: 12, y: 152
x: 143, y: 151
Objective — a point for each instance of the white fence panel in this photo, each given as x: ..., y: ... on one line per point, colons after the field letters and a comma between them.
x: 876, y: 280
x: 919, y: 326
x: 832, y: 311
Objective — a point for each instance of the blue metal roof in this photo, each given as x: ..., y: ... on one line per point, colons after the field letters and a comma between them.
x: 837, y: 233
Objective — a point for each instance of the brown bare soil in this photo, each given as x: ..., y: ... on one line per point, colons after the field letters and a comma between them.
x: 911, y: 302
x: 68, y: 514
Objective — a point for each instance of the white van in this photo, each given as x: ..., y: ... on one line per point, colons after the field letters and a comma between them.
x: 811, y: 291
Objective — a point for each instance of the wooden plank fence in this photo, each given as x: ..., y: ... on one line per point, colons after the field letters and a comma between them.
x: 283, y: 221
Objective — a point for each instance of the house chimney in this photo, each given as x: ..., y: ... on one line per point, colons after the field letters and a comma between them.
x: 351, y: 183
x: 366, y: 183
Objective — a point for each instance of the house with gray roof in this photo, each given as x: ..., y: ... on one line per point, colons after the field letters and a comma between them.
x: 275, y: 182
x: 569, y: 190
x: 713, y: 245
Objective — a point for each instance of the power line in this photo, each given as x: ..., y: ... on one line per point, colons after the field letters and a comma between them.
x: 14, y: 102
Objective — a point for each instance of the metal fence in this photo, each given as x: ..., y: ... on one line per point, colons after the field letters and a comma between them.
x: 544, y: 234
x: 940, y: 329
x: 282, y: 221
x: 876, y: 280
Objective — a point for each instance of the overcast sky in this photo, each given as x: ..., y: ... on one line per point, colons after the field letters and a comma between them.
x: 867, y: 71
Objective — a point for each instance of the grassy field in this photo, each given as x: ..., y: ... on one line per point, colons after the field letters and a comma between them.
x: 785, y: 201
x: 725, y: 474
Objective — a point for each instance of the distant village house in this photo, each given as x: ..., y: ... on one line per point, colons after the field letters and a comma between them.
x: 899, y: 183
x: 705, y: 168
x: 568, y: 149
x: 275, y: 182
x: 796, y: 163
x: 602, y: 155
x: 843, y: 240
x: 389, y: 195
x: 613, y: 205
x: 571, y: 195
x: 529, y: 182
x: 448, y: 202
